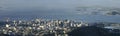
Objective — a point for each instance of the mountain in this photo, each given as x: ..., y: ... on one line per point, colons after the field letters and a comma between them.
x: 98, y: 10
x: 92, y: 31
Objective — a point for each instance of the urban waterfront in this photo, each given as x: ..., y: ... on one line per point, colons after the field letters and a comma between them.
x: 59, y: 18
x: 39, y: 27
x: 47, y: 27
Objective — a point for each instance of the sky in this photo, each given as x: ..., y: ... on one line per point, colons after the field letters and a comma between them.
x: 50, y: 7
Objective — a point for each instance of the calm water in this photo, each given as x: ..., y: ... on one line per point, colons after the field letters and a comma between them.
x: 85, y: 18
x: 56, y: 8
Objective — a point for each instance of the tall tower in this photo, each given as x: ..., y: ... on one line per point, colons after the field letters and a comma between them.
x: 14, y: 22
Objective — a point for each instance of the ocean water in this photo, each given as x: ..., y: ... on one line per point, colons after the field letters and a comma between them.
x: 58, y: 9
x: 84, y: 18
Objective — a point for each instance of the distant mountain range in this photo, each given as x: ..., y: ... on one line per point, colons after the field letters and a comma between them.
x: 98, y: 10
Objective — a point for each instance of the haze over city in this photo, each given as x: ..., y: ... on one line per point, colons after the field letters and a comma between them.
x: 59, y: 18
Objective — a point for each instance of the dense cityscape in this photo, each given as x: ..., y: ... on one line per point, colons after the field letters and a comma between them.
x: 39, y: 27
x: 44, y: 27
x: 59, y: 18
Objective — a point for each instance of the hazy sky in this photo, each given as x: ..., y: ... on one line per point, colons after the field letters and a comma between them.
x: 37, y: 7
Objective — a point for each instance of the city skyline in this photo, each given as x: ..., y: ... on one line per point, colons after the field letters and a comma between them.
x: 59, y: 18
